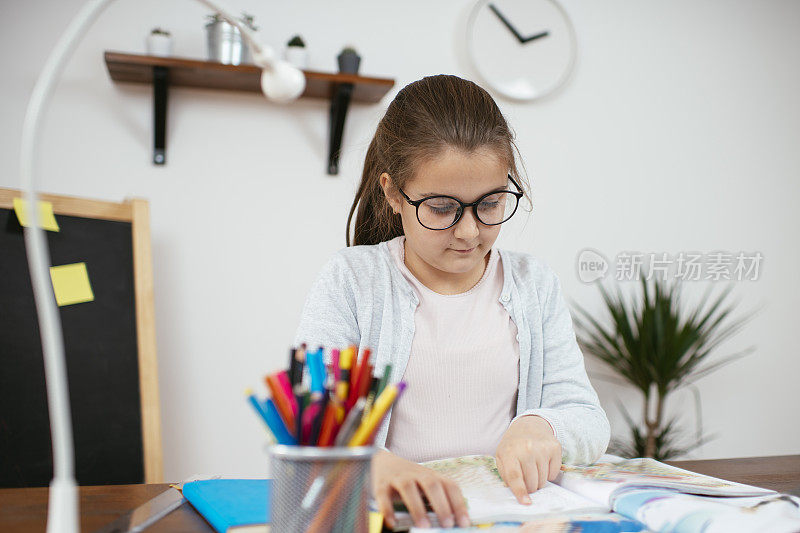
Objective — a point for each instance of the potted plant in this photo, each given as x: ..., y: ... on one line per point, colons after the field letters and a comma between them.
x: 295, y: 52
x: 658, y: 346
x: 159, y: 43
x: 348, y: 60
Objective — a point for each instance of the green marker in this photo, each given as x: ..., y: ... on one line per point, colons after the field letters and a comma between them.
x: 387, y: 371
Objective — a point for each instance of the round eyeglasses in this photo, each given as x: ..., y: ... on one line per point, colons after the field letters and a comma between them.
x: 441, y: 211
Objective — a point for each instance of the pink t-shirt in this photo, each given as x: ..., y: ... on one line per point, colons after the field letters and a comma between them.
x: 463, y: 371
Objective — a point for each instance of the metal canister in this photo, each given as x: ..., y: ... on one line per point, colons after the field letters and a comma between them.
x: 225, y: 42
x: 320, y: 490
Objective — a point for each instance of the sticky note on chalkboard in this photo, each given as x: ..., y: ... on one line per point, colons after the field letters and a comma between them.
x: 71, y: 284
x: 47, y: 220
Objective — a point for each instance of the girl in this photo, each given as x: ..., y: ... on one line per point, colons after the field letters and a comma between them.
x: 482, y: 336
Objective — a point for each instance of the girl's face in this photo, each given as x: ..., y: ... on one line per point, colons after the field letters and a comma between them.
x: 462, y: 248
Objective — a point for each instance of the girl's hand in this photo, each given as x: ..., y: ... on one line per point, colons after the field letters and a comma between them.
x: 391, y: 474
x: 528, y: 456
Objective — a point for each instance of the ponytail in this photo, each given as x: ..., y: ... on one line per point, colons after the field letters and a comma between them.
x: 375, y: 221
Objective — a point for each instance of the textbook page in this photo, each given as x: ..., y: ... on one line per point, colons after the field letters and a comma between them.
x: 489, y: 500
x: 667, y: 510
x: 598, y: 482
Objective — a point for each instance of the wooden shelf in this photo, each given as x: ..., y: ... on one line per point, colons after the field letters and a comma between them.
x: 136, y: 68
x: 162, y: 72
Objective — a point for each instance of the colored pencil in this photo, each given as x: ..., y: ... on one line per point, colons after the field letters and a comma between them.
x: 280, y: 397
x: 298, y: 389
x: 286, y: 386
x: 326, y: 432
x: 335, y: 363
x: 351, y: 423
x: 259, y: 409
x: 343, y: 384
x: 316, y: 424
x: 276, y: 424
x: 309, y: 415
x: 373, y: 392
x: 356, y: 377
x: 366, y: 381
x: 269, y: 414
x: 292, y: 367
x: 338, y: 403
x: 382, y: 405
x: 316, y: 369
x: 387, y: 373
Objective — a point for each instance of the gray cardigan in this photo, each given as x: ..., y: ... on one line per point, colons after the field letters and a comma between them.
x: 360, y: 297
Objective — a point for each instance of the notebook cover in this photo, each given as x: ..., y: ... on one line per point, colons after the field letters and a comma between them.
x: 228, y: 503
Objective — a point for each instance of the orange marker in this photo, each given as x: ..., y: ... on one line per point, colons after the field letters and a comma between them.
x: 281, y: 400
x: 326, y: 433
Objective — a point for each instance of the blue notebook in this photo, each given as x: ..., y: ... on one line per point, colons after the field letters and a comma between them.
x: 232, y: 504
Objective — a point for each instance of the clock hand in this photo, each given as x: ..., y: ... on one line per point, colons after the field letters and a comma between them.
x: 520, y: 38
x: 536, y: 36
x: 506, y: 22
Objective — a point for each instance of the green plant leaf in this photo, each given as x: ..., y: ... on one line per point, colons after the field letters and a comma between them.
x: 655, y: 342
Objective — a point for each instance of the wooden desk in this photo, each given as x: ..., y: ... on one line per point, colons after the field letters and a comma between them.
x: 25, y: 510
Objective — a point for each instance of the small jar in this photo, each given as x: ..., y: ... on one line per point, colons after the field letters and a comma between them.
x: 295, y: 52
x: 159, y: 43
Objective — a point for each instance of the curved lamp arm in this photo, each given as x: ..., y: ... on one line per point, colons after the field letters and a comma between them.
x: 280, y: 82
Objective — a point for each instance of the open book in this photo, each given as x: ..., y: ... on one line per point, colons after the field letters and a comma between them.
x: 656, y: 495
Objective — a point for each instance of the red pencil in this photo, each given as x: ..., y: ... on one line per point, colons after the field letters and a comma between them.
x: 366, y: 381
x: 356, y: 378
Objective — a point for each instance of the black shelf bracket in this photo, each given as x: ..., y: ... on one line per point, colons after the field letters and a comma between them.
x: 341, y: 96
x: 160, y: 84
x: 340, y: 101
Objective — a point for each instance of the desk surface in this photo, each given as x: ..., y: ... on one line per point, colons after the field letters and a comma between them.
x: 25, y: 510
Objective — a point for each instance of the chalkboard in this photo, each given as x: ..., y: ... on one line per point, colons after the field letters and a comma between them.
x: 102, y: 347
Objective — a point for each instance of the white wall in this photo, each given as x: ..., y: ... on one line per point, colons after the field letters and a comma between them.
x: 679, y: 131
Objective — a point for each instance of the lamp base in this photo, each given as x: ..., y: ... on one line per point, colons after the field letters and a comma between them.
x: 62, y: 507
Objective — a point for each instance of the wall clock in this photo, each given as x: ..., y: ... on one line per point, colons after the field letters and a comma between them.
x: 523, y: 49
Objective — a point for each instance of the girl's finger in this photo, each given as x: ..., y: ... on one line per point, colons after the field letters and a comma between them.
x: 434, y: 491
x: 542, y: 467
x: 516, y: 482
x: 500, y: 470
x: 530, y: 472
x: 384, y: 501
x: 555, y: 467
x: 457, y: 503
x: 409, y: 492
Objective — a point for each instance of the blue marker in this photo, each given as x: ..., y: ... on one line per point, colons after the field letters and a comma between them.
x: 317, y: 369
x: 257, y: 407
x: 276, y: 424
x: 269, y: 414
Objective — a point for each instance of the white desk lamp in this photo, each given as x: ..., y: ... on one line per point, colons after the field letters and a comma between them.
x: 280, y: 82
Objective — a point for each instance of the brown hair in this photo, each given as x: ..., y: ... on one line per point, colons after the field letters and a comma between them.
x: 425, y: 118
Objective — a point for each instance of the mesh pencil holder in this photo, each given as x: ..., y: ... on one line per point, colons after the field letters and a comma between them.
x: 320, y: 490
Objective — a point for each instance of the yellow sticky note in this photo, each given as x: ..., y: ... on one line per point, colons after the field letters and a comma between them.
x: 375, y: 522
x: 47, y: 220
x: 71, y: 284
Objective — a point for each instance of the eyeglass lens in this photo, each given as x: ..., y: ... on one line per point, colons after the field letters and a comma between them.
x: 441, y: 212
